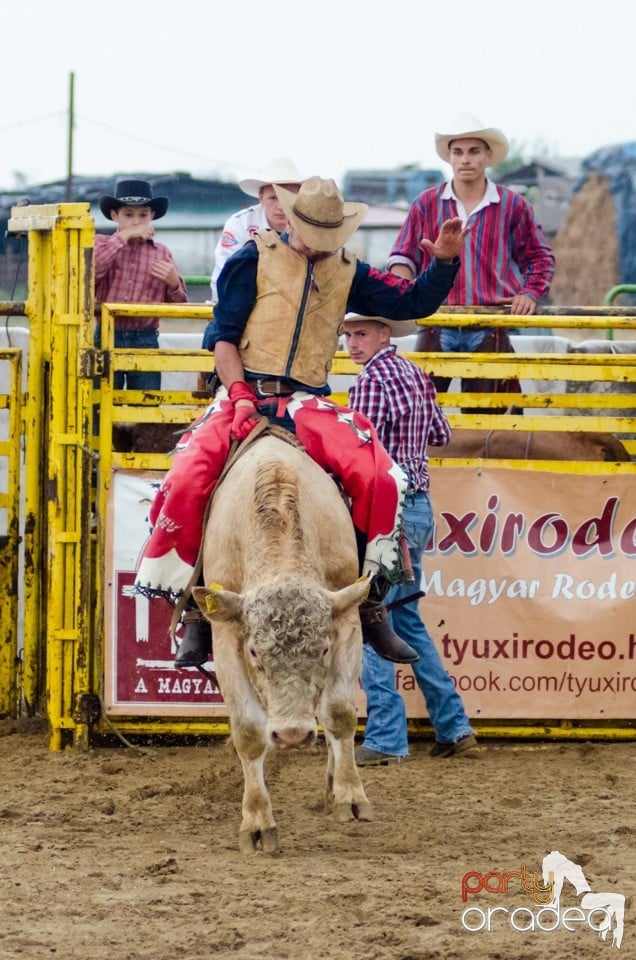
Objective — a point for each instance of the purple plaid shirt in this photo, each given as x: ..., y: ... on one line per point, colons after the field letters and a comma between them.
x: 400, y: 401
x: 505, y: 250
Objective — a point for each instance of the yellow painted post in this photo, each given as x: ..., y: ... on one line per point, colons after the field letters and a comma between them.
x: 69, y: 617
x: 58, y: 429
x: 10, y: 537
x: 37, y: 311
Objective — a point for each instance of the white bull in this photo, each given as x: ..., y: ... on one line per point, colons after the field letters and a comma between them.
x: 287, y: 637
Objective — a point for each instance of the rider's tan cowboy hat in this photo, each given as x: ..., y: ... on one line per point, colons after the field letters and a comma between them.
x: 466, y: 126
x: 279, y: 170
x: 133, y: 193
x: 321, y: 217
x: 398, y: 328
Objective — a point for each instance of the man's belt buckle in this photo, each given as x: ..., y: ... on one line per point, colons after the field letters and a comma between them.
x: 267, y: 387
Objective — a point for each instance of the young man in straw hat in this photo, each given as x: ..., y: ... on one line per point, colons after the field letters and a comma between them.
x: 275, y: 330
x: 131, y: 267
x: 506, y: 259
x: 399, y: 400
x: 267, y: 214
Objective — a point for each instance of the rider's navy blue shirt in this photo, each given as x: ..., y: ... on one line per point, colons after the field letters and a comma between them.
x: 373, y: 294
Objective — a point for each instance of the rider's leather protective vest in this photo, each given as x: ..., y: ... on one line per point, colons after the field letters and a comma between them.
x: 293, y: 328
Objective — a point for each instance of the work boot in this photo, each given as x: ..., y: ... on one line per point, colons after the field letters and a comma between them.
x: 196, y: 640
x: 377, y: 631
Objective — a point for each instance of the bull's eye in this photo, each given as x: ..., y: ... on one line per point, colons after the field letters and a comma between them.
x: 252, y: 652
x: 325, y: 651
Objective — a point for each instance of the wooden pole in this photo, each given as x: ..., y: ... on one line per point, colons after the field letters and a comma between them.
x: 71, y: 124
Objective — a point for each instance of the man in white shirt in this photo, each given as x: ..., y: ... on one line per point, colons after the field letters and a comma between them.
x: 267, y: 214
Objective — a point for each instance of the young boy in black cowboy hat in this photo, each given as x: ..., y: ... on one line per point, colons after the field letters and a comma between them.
x: 131, y: 267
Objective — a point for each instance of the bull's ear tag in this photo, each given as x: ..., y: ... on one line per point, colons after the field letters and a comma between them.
x: 211, y: 603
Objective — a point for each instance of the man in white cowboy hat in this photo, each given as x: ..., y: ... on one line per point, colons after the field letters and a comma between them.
x: 275, y: 330
x: 399, y: 400
x: 506, y: 260
x: 267, y: 214
x: 131, y: 267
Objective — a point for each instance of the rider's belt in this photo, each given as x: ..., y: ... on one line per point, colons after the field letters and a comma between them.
x: 272, y: 388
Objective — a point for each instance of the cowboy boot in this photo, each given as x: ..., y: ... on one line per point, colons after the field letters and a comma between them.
x: 376, y: 629
x: 196, y: 640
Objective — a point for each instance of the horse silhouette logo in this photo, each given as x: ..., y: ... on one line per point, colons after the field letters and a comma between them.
x: 557, y: 869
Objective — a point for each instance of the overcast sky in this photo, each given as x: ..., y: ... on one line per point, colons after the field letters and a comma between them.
x: 219, y: 88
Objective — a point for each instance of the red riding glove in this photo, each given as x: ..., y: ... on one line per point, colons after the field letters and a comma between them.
x: 245, y: 416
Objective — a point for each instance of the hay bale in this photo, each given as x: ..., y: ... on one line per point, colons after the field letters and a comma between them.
x: 586, y: 247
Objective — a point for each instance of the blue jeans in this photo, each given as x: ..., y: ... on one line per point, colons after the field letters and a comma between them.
x: 386, y: 729
x: 459, y: 340
x: 134, y: 340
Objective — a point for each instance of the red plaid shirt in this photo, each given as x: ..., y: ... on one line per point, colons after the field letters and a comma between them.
x: 122, y: 275
x: 400, y: 401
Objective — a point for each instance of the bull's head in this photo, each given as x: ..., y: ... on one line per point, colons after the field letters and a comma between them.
x: 290, y: 630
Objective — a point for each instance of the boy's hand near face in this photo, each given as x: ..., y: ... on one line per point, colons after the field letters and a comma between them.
x: 137, y: 232
x: 166, y: 270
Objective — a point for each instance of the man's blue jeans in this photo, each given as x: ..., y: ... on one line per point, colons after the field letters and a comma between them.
x: 386, y: 714
x: 459, y: 340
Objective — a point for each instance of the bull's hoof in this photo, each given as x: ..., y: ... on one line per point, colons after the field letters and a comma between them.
x: 265, y: 840
x: 363, y: 811
x: 344, y: 812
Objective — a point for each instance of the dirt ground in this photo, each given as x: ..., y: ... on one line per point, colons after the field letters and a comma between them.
x: 127, y: 854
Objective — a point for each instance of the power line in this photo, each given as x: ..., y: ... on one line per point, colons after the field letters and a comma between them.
x: 161, y: 146
x: 26, y: 123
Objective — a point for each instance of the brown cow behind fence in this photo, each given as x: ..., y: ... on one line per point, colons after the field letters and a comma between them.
x: 489, y: 444
x: 533, y: 445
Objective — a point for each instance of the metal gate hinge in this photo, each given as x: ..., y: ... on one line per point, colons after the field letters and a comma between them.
x: 94, y: 363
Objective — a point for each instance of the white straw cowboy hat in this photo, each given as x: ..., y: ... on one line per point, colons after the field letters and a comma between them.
x: 133, y: 193
x: 398, y: 328
x: 280, y: 170
x: 468, y: 126
x: 321, y: 217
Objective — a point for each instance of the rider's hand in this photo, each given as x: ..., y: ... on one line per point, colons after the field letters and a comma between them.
x: 245, y: 416
x: 450, y: 241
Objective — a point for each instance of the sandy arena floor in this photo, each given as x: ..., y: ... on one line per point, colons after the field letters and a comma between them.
x: 122, y: 854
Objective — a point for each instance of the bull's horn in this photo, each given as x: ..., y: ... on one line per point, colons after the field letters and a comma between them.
x: 355, y: 593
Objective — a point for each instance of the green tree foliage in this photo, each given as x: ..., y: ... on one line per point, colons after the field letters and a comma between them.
x: 519, y: 154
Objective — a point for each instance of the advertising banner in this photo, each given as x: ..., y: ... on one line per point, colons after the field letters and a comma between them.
x: 530, y: 587
x: 139, y: 663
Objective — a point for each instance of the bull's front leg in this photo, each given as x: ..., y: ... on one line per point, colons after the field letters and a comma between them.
x: 258, y: 827
x: 247, y: 726
x: 345, y: 792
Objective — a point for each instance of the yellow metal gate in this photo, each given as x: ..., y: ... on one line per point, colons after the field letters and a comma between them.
x: 10, y: 440
x: 58, y: 622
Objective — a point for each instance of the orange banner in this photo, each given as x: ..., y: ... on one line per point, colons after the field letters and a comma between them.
x: 531, y: 586
x: 530, y: 583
